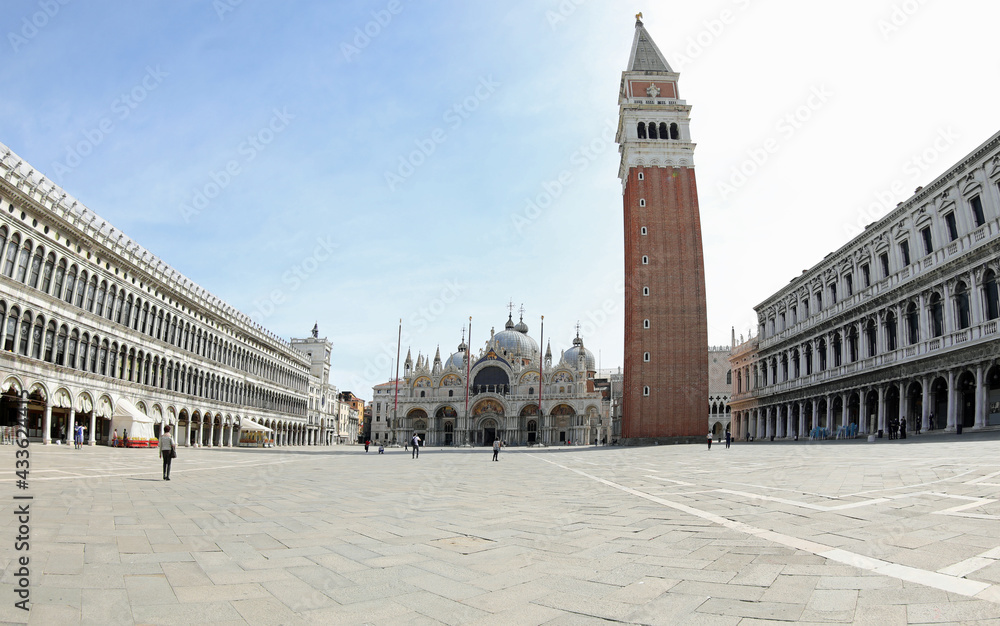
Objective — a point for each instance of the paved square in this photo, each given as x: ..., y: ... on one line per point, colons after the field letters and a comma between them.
x: 888, y: 533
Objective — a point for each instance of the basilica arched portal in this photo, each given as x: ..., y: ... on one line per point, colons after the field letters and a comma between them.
x: 489, y: 415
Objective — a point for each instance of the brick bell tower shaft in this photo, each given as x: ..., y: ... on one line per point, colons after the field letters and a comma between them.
x: 665, y: 391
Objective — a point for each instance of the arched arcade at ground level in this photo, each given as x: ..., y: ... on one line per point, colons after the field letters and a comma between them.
x: 965, y: 397
x: 52, y: 412
x: 493, y: 417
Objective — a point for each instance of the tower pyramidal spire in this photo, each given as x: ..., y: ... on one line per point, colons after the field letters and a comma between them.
x: 645, y: 55
x: 666, y: 330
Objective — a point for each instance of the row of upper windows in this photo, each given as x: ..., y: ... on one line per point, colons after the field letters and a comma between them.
x: 35, y: 337
x: 34, y: 224
x: 29, y: 264
x: 963, y: 315
x: 889, y: 261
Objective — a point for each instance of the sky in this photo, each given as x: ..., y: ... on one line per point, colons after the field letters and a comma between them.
x: 354, y: 164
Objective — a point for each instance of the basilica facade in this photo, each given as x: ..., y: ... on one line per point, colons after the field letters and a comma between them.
x: 509, y: 391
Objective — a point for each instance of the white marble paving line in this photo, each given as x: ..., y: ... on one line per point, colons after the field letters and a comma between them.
x: 678, y: 482
x: 959, y: 511
x: 972, y: 564
x: 933, y: 482
x: 798, y: 491
x: 805, y: 505
x: 937, y: 580
x: 149, y: 471
x: 982, y: 480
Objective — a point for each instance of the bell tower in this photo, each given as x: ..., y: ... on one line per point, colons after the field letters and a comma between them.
x: 666, y: 330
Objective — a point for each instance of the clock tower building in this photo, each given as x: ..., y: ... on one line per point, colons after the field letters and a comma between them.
x: 666, y: 330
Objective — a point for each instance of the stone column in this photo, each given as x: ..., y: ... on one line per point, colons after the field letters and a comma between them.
x: 923, y: 321
x: 976, y: 316
x: 843, y: 408
x: 815, y: 419
x: 881, y: 408
x: 47, y: 426
x: 69, y: 426
x: 980, y: 398
x: 925, y: 402
x: 952, y: 404
x: 829, y: 413
x: 949, y: 326
x: 93, y: 428
x: 904, y: 405
x: 802, y: 419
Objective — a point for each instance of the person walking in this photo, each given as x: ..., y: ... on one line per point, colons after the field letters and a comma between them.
x: 415, y: 442
x: 729, y: 438
x: 124, y: 437
x: 79, y: 436
x: 381, y: 449
x: 167, y: 450
x: 496, y: 449
x: 114, y: 439
x: 367, y: 443
x: 709, y: 440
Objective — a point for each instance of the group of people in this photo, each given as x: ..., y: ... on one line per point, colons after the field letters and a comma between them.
x: 79, y: 432
x: 897, y: 429
x: 381, y: 448
x: 729, y: 439
x: 414, y: 441
x: 119, y: 443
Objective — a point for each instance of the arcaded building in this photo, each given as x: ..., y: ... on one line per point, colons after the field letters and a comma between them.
x: 666, y: 328
x: 898, y: 326
x: 91, y: 322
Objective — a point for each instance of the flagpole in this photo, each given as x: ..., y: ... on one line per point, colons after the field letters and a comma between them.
x: 395, y: 402
x: 541, y: 380
x: 468, y: 370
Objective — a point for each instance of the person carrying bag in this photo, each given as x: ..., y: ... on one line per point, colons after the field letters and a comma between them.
x: 168, y: 450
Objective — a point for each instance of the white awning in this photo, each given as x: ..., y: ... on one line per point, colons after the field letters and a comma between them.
x: 124, y: 408
x: 249, y: 425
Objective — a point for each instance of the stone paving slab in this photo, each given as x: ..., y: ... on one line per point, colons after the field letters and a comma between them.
x: 885, y: 533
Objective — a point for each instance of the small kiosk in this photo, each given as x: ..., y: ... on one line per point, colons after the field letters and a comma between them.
x: 253, y: 435
x: 139, y: 426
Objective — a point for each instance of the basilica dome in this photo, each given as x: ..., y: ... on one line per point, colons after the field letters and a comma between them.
x: 570, y: 356
x: 515, y: 341
x: 457, y: 359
